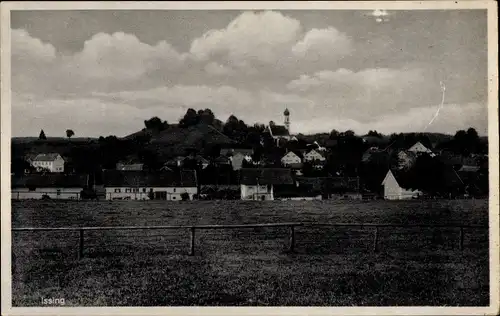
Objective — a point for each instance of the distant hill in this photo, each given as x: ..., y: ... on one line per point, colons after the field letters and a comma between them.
x: 52, y: 139
x: 175, y: 140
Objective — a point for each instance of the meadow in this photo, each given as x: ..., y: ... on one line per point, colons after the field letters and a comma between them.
x: 331, y: 266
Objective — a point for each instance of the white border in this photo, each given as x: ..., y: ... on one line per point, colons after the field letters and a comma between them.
x: 493, y: 309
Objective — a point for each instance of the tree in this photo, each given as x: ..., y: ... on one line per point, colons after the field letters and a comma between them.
x: 190, y: 118
x: 206, y: 116
x: 69, y: 133
x: 155, y: 124
x: 42, y: 135
x: 334, y: 134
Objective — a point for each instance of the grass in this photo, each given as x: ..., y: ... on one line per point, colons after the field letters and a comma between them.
x: 251, y: 267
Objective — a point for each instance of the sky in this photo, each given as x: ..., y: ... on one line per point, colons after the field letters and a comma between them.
x: 104, y: 72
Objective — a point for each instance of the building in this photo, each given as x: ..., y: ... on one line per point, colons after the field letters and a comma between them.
x: 142, y: 185
x: 129, y: 167
x: 314, y: 155
x: 397, y: 187
x: 419, y: 148
x: 52, y: 185
x: 259, y: 183
x: 237, y: 156
x: 279, y: 132
x: 291, y: 158
x: 52, y: 162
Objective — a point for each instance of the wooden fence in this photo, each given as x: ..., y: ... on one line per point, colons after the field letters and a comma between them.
x: 291, y: 230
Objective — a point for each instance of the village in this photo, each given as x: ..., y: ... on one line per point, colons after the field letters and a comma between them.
x: 296, y: 170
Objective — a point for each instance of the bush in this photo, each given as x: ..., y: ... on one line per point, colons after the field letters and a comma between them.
x: 185, y: 196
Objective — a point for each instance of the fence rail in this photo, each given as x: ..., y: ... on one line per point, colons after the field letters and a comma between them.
x: 291, y: 240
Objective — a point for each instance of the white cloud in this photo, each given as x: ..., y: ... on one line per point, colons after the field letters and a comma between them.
x: 263, y: 36
x: 216, y: 69
x: 121, y: 55
x: 28, y: 49
x: 323, y: 44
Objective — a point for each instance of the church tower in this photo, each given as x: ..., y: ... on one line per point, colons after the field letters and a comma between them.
x: 287, y: 120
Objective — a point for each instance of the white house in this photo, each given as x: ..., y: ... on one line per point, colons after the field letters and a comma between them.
x: 141, y: 185
x: 52, y: 162
x: 314, y: 155
x: 52, y: 185
x: 397, y: 187
x: 258, y: 183
x: 291, y: 158
x: 419, y: 148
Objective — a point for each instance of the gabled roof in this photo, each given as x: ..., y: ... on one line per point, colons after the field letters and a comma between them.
x: 264, y: 176
x: 307, y: 152
x: 118, y: 178
x: 279, y: 130
x: 296, y: 152
x: 46, y: 157
x: 404, y: 179
x: 50, y: 180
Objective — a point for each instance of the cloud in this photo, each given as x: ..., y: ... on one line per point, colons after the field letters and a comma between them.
x: 379, y: 13
x: 216, y: 69
x: 264, y: 41
x: 28, y: 49
x: 106, y: 61
x: 323, y: 44
x: 262, y: 36
x: 121, y: 55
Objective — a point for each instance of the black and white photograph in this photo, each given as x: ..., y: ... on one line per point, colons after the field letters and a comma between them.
x: 227, y: 154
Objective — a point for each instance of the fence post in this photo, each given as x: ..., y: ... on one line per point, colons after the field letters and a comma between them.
x: 191, y: 251
x: 80, y: 247
x: 461, y: 238
x: 292, y: 238
x: 375, y: 239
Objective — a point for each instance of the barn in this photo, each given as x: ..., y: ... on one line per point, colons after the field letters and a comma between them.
x: 49, y: 185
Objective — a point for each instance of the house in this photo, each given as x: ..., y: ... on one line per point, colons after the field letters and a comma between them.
x: 259, y: 183
x: 129, y: 167
x: 52, y: 185
x: 291, y: 157
x: 314, y: 155
x: 237, y: 156
x: 142, y: 185
x: 52, y: 162
x: 419, y: 148
x: 175, y: 162
x: 397, y: 187
x: 222, y: 160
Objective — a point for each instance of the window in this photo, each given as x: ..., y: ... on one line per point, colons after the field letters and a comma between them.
x: 127, y: 190
x: 174, y: 190
x: 118, y: 190
x: 144, y: 190
x: 31, y: 189
x: 58, y: 191
x: 135, y: 190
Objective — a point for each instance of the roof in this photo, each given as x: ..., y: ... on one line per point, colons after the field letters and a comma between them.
x: 134, y: 166
x: 46, y: 157
x: 466, y: 168
x: 252, y: 176
x: 50, y: 180
x: 244, y: 151
x: 119, y: 178
x: 279, y: 130
x: 404, y: 179
x: 296, y: 152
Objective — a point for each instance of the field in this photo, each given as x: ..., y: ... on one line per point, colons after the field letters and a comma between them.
x: 331, y: 266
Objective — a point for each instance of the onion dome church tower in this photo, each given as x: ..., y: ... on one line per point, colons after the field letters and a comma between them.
x: 287, y: 120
